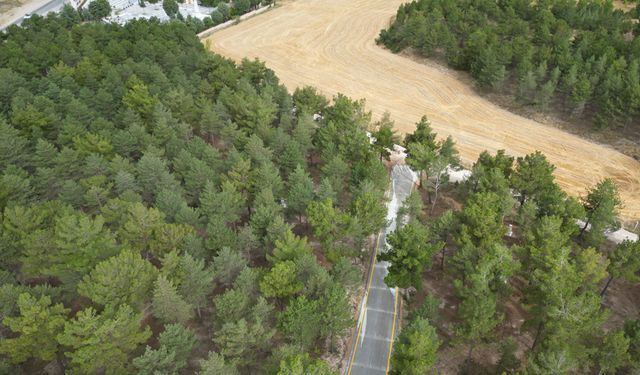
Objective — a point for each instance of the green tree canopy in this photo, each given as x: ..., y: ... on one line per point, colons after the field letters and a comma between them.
x: 122, y: 279
x: 37, y: 326
x: 168, y: 305
x: 415, y: 349
x: 409, y: 255
x: 103, y: 342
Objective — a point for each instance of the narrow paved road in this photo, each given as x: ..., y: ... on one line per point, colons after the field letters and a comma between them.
x: 376, y: 326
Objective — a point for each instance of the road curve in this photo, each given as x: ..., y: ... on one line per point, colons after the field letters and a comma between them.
x: 331, y: 45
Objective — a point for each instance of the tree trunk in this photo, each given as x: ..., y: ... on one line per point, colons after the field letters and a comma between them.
x: 442, y: 260
x: 606, y: 286
x: 435, y: 199
x: 584, y: 228
x: 469, y: 357
x: 535, y: 340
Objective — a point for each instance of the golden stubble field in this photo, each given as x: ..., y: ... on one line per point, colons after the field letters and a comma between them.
x: 330, y: 44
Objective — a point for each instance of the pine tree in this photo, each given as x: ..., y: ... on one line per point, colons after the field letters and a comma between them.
x: 227, y: 204
x: 326, y: 191
x: 81, y: 242
x: 289, y: 247
x: 601, y: 205
x: 300, y: 322
x: 613, y: 354
x: 281, y: 280
x: 532, y: 176
x: 415, y: 350
x: 409, y: 255
x: 168, y: 305
x: 369, y: 209
x: 102, y: 343
x: 227, y: 265
x: 122, y: 279
x: 385, y: 137
x: 176, y: 344
x: 37, y: 325
x: 325, y: 221
x: 242, y: 339
x: 170, y: 8
x: 302, y: 365
x: 335, y: 312
x: 13, y: 148
x: 196, y: 283
x: 477, y: 312
x: 300, y: 191
x: 215, y: 364
x: 624, y: 262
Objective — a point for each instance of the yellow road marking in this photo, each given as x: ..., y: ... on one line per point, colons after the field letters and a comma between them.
x: 395, y: 312
x: 364, y: 307
x: 393, y: 330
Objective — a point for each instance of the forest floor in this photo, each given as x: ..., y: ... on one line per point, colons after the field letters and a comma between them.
x: 622, y: 299
x: 331, y: 45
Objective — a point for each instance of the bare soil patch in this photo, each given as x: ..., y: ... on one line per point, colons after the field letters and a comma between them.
x: 331, y: 45
x: 11, y: 10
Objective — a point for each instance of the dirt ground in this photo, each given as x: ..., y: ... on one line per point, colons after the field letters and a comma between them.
x: 12, y: 9
x: 331, y: 45
x: 622, y: 300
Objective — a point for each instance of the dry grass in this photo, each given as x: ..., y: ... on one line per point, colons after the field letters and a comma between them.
x: 331, y: 45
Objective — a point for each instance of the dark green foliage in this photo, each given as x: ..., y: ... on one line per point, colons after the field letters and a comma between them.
x: 147, y: 180
x: 302, y: 364
x: 241, y: 6
x: 415, y: 350
x: 301, y: 322
x: 216, y: 17
x: 176, y: 343
x: 215, y: 364
x: 170, y: 7
x: 309, y: 101
x: 36, y: 327
x: 429, y: 310
x: 632, y: 331
x: 601, y: 206
x: 99, y: 9
x: 409, y: 255
x: 102, y: 342
x: 508, y: 362
x: 581, y: 55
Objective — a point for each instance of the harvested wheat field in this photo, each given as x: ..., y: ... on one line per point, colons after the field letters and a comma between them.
x: 331, y: 45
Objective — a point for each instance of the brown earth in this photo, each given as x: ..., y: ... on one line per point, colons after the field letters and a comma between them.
x: 331, y: 45
x: 10, y: 10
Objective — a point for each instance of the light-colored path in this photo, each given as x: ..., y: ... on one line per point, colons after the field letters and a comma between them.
x: 330, y: 44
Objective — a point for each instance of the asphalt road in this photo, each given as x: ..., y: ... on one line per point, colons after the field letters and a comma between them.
x: 372, y: 346
x: 51, y: 6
